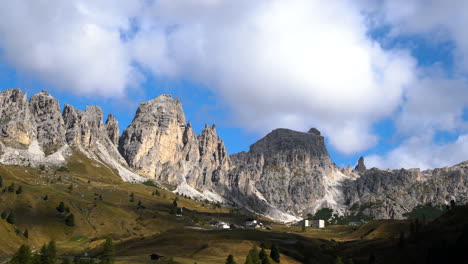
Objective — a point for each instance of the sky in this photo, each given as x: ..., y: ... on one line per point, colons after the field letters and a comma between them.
x: 383, y: 79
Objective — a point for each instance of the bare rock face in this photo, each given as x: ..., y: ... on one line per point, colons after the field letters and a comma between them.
x: 155, y: 136
x: 50, y: 128
x: 360, y: 167
x: 158, y: 144
x: 388, y: 194
x: 17, y: 127
x: 288, y: 169
x: 112, y: 128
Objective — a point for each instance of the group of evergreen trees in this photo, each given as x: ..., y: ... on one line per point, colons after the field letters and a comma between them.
x: 259, y: 257
x: 9, y: 217
x: 47, y: 255
x: 11, y: 188
x: 69, y: 219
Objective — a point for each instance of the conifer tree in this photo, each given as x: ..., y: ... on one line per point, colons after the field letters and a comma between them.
x: 254, y: 255
x: 11, y: 188
x: 1, y: 182
x: 264, y: 257
x: 52, y: 252
x: 230, y: 260
x: 108, y: 254
x: 70, y: 220
x: 274, y: 254
x: 46, y: 197
x: 338, y: 260
x: 70, y: 188
x: 20, y: 190
x: 22, y: 256
x: 61, y: 207
x: 26, y: 233
x: 11, y: 218
x: 132, y: 197
x: 4, y: 215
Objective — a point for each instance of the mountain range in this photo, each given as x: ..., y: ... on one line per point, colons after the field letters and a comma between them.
x: 285, y: 175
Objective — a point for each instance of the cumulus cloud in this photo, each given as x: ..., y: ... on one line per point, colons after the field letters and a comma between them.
x: 275, y: 63
x: 74, y: 45
x: 282, y: 63
x: 422, y: 152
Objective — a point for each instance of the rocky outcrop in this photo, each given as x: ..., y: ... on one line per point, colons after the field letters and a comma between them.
x: 159, y: 145
x: 289, y: 170
x: 360, y: 167
x: 155, y: 136
x: 50, y: 128
x: 17, y: 126
x: 388, y: 194
x: 112, y: 128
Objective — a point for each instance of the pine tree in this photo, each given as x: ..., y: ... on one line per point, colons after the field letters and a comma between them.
x: 248, y: 259
x: 254, y: 255
x: 11, y: 188
x: 11, y: 218
x: 274, y: 254
x: 132, y: 197
x: 264, y: 257
x: 230, y: 260
x: 26, y: 233
x: 61, y: 208
x: 22, y: 256
x: 70, y: 188
x: 44, y: 255
x: 1, y: 182
x: 108, y: 254
x: 46, y: 198
x: 4, y: 215
x: 174, y: 203
x: 338, y: 260
x: 20, y: 190
x: 139, y: 203
x: 52, y: 252
x: 70, y: 220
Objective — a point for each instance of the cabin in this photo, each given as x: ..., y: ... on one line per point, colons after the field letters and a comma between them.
x: 156, y: 257
x: 317, y: 223
x: 252, y: 223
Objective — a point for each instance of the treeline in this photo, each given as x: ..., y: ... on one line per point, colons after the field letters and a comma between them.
x: 48, y: 255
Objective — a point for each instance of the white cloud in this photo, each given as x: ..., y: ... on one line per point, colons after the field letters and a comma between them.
x: 422, y: 152
x: 275, y: 63
x: 289, y: 64
x: 73, y: 45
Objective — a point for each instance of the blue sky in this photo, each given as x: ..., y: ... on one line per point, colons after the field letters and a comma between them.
x: 382, y: 79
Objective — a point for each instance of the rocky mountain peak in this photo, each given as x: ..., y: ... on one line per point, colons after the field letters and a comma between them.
x: 154, y: 136
x: 112, y: 129
x: 314, y: 131
x: 50, y: 127
x: 289, y: 145
x: 360, y: 167
x: 16, y: 122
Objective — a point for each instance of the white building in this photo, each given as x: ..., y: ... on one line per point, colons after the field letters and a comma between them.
x: 317, y: 223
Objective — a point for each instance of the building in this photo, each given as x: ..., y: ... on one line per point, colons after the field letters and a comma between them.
x: 317, y: 223
x: 306, y: 223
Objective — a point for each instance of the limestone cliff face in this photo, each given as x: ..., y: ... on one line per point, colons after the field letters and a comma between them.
x: 388, y: 194
x: 158, y: 144
x: 290, y: 170
x: 50, y: 128
x: 155, y: 136
x: 112, y: 128
x: 17, y: 126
